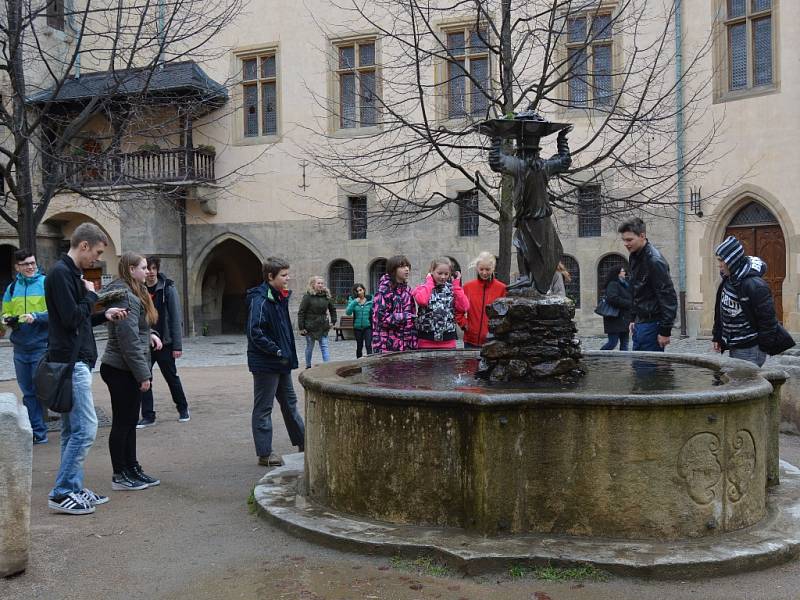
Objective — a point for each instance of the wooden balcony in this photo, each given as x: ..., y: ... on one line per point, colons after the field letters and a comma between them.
x: 175, y: 166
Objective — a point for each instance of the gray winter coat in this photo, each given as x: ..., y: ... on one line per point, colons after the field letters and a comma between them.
x: 128, y: 345
x: 172, y: 335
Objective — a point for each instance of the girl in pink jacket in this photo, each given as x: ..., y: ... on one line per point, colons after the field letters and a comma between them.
x: 439, y: 299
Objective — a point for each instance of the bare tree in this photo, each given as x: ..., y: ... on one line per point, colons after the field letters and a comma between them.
x: 108, y: 66
x: 444, y: 66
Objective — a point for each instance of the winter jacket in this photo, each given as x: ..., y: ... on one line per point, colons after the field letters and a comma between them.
x: 438, y: 307
x: 393, y: 314
x: 69, y: 307
x: 618, y: 295
x: 361, y: 313
x: 744, y: 311
x: 128, y: 346
x: 171, y: 325
x: 270, y: 338
x: 480, y: 294
x: 312, y: 314
x: 25, y: 295
x: 654, y: 297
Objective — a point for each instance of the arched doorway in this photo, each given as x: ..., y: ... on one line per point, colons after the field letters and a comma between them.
x: 231, y: 269
x: 7, y: 272
x: 761, y: 235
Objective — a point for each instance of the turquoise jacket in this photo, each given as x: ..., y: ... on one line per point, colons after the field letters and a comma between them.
x: 362, y: 313
x: 25, y: 295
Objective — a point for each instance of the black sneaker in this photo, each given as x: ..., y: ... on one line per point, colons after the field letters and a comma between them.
x: 145, y: 423
x: 73, y: 503
x: 184, y: 416
x: 93, y: 497
x: 123, y: 481
x: 137, y: 473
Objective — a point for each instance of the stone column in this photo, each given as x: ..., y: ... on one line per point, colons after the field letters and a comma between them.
x: 16, y: 452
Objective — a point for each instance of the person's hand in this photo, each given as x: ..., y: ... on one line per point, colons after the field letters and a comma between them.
x: 144, y: 386
x: 631, y: 327
x: 717, y: 347
x: 155, y: 342
x: 177, y: 354
x: 28, y: 318
x: 116, y: 314
x: 303, y: 332
x: 456, y: 275
x: 88, y: 285
x: 663, y: 341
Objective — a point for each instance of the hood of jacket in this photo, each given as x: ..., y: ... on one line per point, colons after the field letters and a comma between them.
x: 163, y: 281
x: 29, y: 280
x: 386, y: 284
x: 265, y: 290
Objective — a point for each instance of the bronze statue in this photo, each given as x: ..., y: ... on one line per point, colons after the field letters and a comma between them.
x: 535, y: 238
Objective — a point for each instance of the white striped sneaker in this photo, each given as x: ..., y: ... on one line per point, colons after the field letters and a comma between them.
x: 93, y: 497
x: 74, y: 503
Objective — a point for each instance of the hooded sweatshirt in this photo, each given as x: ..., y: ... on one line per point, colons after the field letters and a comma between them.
x: 732, y: 326
x: 26, y: 296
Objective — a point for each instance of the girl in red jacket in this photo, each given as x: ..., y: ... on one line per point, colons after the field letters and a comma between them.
x: 481, y: 292
x: 440, y: 299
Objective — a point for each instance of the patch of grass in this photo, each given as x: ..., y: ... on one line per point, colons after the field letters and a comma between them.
x: 251, y: 501
x: 422, y: 565
x: 551, y: 573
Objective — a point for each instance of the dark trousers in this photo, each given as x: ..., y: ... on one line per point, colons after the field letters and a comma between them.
x: 125, y: 401
x: 363, y: 339
x: 267, y: 387
x: 170, y: 372
x: 620, y: 338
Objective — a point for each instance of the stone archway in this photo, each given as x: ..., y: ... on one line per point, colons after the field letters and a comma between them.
x: 230, y: 270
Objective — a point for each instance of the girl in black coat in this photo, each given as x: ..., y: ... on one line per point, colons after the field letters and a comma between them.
x: 618, y: 295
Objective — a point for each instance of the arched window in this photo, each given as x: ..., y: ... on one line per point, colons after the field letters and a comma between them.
x: 753, y: 214
x: 376, y: 270
x: 609, y: 263
x: 573, y: 286
x: 454, y: 262
x: 340, y: 279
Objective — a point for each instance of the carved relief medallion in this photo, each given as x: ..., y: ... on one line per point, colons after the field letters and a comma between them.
x: 699, y: 466
x: 741, y: 465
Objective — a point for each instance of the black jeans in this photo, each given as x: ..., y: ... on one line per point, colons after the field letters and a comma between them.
x: 363, y: 338
x: 268, y: 387
x: 125, y: 401
x: 170, y: 372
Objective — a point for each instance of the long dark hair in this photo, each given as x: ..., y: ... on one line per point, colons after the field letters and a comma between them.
x: 613, y: 274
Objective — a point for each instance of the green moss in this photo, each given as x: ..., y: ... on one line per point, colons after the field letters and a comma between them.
x: 422, y: 565
x: 251, y: 501
x: 551, y: 573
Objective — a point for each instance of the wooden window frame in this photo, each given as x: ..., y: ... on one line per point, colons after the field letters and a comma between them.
x: 258, y: 82
x: 358, y: 70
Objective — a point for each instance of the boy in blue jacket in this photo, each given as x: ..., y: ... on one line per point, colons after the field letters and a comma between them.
x: 271, y: 356
x: 25, y: 313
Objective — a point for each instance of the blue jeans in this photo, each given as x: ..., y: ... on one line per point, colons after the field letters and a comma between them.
x: 25, y: 366
x: 266, y: 388
x: 78, y: 430
x: 645, y: 337
x: 753, y: 354
x: 620, y: 338
x: 323, y: 346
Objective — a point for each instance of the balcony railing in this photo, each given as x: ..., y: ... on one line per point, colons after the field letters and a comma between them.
x: 171, y: 166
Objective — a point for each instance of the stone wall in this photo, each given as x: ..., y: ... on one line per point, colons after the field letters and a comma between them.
x: 16, y: 450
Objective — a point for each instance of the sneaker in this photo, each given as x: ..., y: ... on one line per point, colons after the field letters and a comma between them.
x: 71, y: 504
x: 183, y: 416
x: 122, y: 481
x: 273, y: 460
x: 137, y: 473
x: 93, y: 497
x: 145, y: 423
x: 39, y: 440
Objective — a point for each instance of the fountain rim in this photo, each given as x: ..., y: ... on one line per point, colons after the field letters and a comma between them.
x: 747, y: 383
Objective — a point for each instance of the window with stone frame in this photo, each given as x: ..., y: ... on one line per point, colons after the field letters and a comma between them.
x: 749, y: 44
x: 589, y: 211
x: 55, y: 14
x: 340, y: 279
x: 590, y: 60
x: 467, y: 73
x: 468, y: 219
x: 357, y: 217
x: 260, y: 95
x: 356, y: 78
x: 376, y: 270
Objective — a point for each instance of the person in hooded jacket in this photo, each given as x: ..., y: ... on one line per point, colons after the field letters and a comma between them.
x: 393, y: 309
x: 440, y: 301
x: 359, y: 306
x: 481, y: 292
x: 25, y: 313
x: 312, y: 318
x: 618, y: 294
x: 744, y: 311
x: 271, y: 356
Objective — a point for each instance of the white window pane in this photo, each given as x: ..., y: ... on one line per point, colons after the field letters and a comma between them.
x: 762, y: 51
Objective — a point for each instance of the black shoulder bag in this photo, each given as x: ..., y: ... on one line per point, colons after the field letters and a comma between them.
x: 771, y: 344
x: 53, y: 381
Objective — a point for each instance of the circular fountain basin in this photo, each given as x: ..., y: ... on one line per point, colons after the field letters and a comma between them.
x: 644, y: 446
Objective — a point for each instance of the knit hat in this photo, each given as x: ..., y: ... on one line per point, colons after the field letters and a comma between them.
x: 730, y: 250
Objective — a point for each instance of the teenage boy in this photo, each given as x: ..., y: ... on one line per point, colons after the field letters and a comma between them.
x: 168, y: 328
x: 655, y: 302
x: 70, y: 300
x: 25, y: 313
x: 271, y: 356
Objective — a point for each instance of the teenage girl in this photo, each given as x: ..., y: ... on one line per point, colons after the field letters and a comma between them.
x: 393, y: 309
x: 440, y: 299
x: 481, y: 292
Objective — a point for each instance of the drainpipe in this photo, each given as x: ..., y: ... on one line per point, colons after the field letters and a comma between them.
x: 680, y: 163
x: 70, y: 7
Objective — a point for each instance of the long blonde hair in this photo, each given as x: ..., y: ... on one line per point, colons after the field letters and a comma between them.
x: 310, y: 287
x: 484, y: 258
x: 564, y: 273
x: 128, y: 260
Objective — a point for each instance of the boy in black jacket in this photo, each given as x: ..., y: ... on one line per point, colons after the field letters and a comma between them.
x: 70, y: 301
